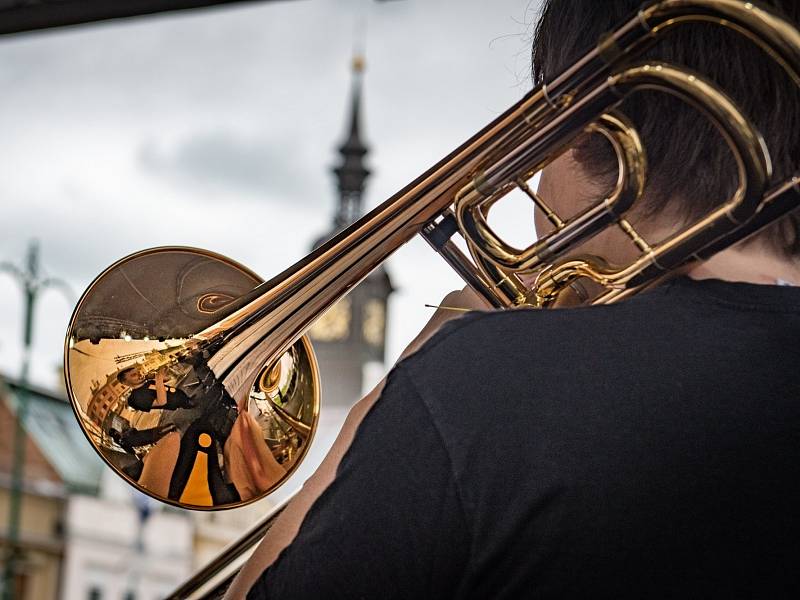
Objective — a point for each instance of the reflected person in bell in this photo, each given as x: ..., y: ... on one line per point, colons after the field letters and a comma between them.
x: 203, y: 413
x: 152, y: 392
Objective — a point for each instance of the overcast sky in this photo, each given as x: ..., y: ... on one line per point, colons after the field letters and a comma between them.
x: 217, y: 129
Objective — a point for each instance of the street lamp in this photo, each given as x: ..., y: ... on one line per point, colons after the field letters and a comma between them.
x: 32, y: 283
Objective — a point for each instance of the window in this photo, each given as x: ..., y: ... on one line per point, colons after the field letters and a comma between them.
x: 95, y: 593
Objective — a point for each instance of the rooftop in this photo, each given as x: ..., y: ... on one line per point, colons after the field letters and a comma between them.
x: 54, y: 431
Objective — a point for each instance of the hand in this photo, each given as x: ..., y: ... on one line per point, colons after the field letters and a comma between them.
x: 455, y: 304
x: 160, y: 375
x: 161, y: 389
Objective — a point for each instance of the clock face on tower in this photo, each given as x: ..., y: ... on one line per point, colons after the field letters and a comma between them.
x: 334, y: 325
x: 374, y: 323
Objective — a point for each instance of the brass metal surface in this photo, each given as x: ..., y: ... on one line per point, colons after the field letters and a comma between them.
x: 134, y: 330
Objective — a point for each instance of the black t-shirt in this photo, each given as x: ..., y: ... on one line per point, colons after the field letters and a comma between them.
x: 143, y: 397
x: 646, y: 449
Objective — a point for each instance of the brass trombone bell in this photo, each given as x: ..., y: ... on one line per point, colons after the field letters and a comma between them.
x: 202, y: 449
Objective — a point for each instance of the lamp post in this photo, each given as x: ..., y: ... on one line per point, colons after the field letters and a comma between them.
x: 32, y: 284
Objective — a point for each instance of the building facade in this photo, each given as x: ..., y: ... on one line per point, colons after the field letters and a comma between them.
x: 84, y: 533
x: 40, y: 541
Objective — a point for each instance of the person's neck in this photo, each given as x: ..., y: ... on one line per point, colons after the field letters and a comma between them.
x: 748, y: 264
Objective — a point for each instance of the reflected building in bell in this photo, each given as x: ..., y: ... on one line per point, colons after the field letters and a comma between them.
x: 352, y: 334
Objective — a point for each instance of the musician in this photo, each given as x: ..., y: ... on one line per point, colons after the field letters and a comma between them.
x: 202, y: 412
x: 644, y: 449
x: 149, y: 393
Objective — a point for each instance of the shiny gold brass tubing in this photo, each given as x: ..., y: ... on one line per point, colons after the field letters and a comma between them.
x: 637, y: 239
x: 508, y: 286
x: 281, y: 310
x: 438, y: 235
x: 753, y: 166
x: 553, y: 280
x: 471, y: 208
x: 551, y: 216
x: 301, y: 428
x: 779, y: 201
x: 749, y: 150
x: 779, y: 38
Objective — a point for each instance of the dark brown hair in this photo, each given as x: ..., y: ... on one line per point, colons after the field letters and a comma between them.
x: 690, y: 168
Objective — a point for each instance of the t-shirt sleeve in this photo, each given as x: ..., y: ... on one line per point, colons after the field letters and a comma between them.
x: 391, y: 525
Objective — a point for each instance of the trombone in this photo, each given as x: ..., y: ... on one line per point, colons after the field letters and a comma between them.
x: 237, y: 330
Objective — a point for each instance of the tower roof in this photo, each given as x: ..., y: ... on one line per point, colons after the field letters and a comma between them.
x: 61, y: 447
x: 351, y: 173
x: 353, y: 145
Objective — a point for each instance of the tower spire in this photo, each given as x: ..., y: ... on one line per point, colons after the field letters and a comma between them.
x: 351, y: 173
x: 353, y: 332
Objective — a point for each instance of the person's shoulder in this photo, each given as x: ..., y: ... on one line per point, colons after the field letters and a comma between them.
x: 651, y: 309
x: 538, y: 338
x: 488, y: 326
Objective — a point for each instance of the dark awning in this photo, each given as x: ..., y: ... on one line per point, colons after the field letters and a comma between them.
x: 26, y: 15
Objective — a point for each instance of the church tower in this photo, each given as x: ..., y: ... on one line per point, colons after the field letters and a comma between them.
x: 353, y: 332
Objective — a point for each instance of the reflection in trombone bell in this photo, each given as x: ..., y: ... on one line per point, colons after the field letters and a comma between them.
x: 164, y: 420
x: 149, y: 388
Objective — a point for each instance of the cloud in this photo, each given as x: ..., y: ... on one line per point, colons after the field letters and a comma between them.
x: 258, y: 166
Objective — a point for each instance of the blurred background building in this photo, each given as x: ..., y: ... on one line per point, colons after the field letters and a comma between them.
x: 213, y: 129
x: 83, y: 533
